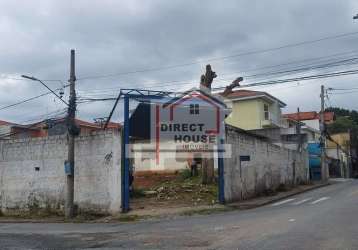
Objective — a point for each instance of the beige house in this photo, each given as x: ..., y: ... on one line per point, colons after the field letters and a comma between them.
x: 338, y: 147
x: 252, y: 110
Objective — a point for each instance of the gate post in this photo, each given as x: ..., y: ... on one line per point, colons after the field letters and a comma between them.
x: 125, y: 172
x: 221, y: 173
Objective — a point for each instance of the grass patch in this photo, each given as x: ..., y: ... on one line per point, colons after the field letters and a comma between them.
x: 138, y: 192
x: 32, y: 214
x: 132, y: 217
x: 185, y: 174
x: 282, y: 188
x: 206, y: 211
x: 83, y: 216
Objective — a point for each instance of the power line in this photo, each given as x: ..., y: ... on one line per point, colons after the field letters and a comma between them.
x: 29, y: 99
x: 55, y: 114
x: 327, y: 64
x: 302, y: 78
x: 263, y: 83
x: 342, y: 93
x: 49, y: 115
x: 350, y: 61
x: 333, y: 89
x: 294, y: 62
x: 220, y: 58
x: 336, y: 63
x: 254, y: 84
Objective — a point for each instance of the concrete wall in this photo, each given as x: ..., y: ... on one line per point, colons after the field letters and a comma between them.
x: 269, y: 166
x: 32, y: 173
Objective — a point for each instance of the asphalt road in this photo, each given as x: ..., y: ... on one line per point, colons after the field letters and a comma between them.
x: 325, y: 218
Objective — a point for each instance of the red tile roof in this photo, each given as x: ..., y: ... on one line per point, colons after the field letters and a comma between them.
x: 5, y: 123
x: 82, y: 123
x: 86, y: 124
x: 244, y: 93
x: 312, y: 115
x: 114, y: 125
x: 92, y: 124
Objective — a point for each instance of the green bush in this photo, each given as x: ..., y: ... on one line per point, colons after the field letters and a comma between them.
x: 185, y: 174
x: 137, y: 193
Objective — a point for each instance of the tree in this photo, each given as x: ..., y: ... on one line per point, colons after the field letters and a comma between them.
x: 207, y: 163
x: 346, y: 121
x: 342, y: 124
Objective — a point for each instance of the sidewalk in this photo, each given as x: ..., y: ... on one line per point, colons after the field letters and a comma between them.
x: 264, y: 200
x: 173, y: 211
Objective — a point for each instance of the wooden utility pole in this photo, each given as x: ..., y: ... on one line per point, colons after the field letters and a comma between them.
x: 349, y: 156
x: 323, y: 140
x: 299, y: 145
x: 72, y: 131
x: 298, y: 132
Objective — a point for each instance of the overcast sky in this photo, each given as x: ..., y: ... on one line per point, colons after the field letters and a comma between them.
x: 114, y: 37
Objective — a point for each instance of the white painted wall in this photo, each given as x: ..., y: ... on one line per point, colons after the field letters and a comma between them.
x: 269, y: 166
x: 144, y: 157
x: 312, y: 124
x: 5, y: 129
x: 97, y: 173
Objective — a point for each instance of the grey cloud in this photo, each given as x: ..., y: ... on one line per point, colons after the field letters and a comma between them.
x: 120, y: 36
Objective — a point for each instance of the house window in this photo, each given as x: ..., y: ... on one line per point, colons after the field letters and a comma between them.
x: 194, y: 109
x: 266, y: 112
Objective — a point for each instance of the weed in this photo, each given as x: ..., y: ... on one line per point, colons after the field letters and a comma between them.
x: 281, y: 188
x: 129, y: 218
x: 137, y: 193
x: 206, y: 211
x: 185, y: 174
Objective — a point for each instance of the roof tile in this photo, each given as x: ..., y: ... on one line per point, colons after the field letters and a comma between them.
x: 311, y: 115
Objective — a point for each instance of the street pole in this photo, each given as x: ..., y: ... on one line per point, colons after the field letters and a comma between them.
x: 71, y: 126
x: 299, y: 146
x: 350, y: 165
x: 323, y: 141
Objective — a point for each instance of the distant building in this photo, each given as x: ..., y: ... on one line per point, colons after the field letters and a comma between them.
x: 311, y: 119
x: 5, y: 129
x: 253, y: 110
x: 338, y: 147
x: 49, y: 127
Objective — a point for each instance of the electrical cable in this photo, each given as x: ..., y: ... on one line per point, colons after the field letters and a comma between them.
x: 219, y: 58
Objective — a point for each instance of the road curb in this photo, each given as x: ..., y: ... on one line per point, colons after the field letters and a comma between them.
x: 242, y: 205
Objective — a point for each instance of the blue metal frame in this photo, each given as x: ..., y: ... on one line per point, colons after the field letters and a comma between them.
x: 125, y: 182
x: 140, y: 95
